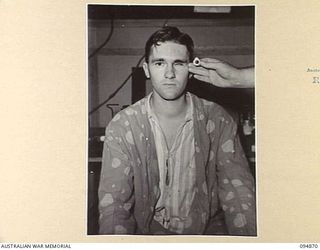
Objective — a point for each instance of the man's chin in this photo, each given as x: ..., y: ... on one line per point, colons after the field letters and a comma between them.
x: 172, y: 97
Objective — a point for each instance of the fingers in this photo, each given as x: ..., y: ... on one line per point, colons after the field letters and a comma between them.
x: 216, y: 82
x: 214, y: 71
x: 198, y: 70
x: 214, y: 79
x: 212, y: 64
x: 210, y: 60
x: 202, y: 78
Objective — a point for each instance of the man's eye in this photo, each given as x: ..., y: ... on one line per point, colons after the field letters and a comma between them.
x: 159, y: 63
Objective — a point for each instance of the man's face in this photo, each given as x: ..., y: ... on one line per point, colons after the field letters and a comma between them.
x: 168, y: 69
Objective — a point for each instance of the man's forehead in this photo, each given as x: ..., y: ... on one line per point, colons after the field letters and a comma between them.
x: 169, y: 49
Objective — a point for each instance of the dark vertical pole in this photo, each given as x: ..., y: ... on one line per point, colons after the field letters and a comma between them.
x: 138, y: 84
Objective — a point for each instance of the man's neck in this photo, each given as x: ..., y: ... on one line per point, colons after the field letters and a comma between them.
x: 169, y: 109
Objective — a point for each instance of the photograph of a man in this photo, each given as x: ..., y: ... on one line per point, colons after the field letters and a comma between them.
x: 172, y: 162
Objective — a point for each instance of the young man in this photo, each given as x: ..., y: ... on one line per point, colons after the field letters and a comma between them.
x: 172, y: 162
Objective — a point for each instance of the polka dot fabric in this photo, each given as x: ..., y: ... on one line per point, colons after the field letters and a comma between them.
x: 128, y: 190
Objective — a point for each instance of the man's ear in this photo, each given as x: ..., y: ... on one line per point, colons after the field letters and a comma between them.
x: 146, y: 69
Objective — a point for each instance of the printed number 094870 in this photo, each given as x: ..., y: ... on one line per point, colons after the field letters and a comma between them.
x: 308, y: 245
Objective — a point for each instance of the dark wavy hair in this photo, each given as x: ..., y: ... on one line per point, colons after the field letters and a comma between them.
x: 169, y: 34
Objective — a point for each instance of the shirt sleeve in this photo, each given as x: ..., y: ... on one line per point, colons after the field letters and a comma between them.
x: 235, y: 181
x: 116, y: 196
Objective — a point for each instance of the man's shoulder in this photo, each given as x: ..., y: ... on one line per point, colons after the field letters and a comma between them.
x: 200, y: 103
x: 212, y: 110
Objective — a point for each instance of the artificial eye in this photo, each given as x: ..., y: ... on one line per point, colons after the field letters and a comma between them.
x: 196, y: 61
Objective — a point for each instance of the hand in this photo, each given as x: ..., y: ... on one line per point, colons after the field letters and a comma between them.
x: 222, y: 74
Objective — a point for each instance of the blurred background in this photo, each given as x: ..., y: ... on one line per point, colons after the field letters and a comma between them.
x: 116, y: 39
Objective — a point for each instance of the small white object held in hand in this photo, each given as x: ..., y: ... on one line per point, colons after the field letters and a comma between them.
x: 196, y: 61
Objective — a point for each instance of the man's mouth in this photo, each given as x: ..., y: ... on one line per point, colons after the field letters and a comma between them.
x: 169, y: 84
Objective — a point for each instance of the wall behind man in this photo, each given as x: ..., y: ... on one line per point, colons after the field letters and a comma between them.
x: 225, y: 39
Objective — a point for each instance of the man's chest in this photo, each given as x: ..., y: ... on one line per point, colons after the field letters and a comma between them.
x: 171, y: 130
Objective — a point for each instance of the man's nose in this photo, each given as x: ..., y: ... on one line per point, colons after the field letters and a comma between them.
x: 170, y: 72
